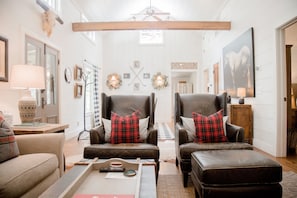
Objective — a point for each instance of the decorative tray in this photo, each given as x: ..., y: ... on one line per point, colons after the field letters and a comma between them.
x: 113, y: 177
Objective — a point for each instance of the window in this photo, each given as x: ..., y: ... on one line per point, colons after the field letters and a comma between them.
x: 151, y: 37
x: 90, y: 35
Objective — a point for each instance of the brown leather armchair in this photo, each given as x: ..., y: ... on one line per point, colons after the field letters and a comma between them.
x: 205, y: 104
x: 125, y: 105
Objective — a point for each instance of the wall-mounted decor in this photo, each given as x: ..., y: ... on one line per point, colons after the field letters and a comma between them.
x: 136, y: 70
x: 78, y: 90
x: 126, y: 75
x: 146, y: 75
x: 113, y: 81
x: 68, y: 74
x: 159, y: 81
x: 3, y: 59
x: 78, y: 73
x: 239, y: 65
x: 136, y: 87
x: 136, y: 64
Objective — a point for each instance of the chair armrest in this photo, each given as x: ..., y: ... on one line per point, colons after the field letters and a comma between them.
x: 234, y: 133
x: 181, y: 136
x: 97, y: 135
x: 152, y: 137
x: 43, y: 143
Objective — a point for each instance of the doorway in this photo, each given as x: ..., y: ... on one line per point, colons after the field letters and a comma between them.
x: 183, y: 81
x: 291, y: 75
x: 38, y: 53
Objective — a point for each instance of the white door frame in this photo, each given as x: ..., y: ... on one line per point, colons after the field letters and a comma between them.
x: 281, y: 83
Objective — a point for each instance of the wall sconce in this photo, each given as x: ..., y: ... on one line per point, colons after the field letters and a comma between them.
x: 113, y: 81
x: 241, y: 93
x: 159, y: 81
x: 27, y: 77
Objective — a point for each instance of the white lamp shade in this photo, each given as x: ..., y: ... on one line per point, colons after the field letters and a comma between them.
x: 27, y: 76
x: 241, y: 92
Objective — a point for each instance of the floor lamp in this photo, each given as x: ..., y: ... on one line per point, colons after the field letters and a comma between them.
x: 85, y: 79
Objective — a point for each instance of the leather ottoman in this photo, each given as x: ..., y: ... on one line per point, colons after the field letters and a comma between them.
x: 235, y: 173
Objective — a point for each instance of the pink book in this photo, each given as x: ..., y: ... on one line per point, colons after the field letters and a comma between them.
x: 101, y: 196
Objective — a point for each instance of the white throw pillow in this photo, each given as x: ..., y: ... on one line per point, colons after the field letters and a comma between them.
x: 189, y: 125
x: 143, y: 124
x: 107, y: 129
x: 225, y: 119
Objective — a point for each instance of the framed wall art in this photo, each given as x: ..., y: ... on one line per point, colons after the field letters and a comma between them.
x: 78, y: 73
x: 3, y: 59
x: 126, y: 75
x: 78, y: 89
x: 238, y: 64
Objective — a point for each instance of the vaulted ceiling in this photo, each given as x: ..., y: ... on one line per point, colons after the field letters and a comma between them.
x: 123, y: 10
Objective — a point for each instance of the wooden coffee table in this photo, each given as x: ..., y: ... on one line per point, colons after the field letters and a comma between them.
x: 81, y: 179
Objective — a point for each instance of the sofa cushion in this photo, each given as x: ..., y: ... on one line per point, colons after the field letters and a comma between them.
x: 124, y: 150
x: 188, y: 148
x: 20, y: 174
x: 8, y: 145
x: 209, y: 128
x: 124, y: 129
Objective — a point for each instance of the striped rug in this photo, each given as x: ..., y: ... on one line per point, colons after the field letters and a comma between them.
x: 164, y: 132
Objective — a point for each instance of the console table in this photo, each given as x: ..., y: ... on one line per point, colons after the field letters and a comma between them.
x: 40, y: 128
x: 242, y: 115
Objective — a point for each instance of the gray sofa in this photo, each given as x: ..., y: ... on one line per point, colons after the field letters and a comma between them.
x: 38, y: 166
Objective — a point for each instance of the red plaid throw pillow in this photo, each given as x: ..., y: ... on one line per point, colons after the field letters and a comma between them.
x: 124, y: 129
x: 209, y: 128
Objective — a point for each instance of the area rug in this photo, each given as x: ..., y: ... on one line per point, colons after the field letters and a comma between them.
x: 164, y: 131
x: 172, y: 186
x: 289, y: 184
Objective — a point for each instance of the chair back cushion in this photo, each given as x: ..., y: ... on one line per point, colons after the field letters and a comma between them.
x: 205, y: 104
x: 127, y: 104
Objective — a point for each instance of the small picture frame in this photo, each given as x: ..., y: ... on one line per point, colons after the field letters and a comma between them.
x: 3, y: 59
x: 136, y: 87
x: 136, y: 64
x: 78, y: 90
x: 146, y: 75
x: 126, y: 76
x: 78, y: 73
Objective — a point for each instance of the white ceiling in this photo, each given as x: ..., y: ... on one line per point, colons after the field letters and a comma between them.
x: 121, y: 10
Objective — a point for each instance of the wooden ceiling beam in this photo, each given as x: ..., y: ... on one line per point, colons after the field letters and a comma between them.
x: 146, y: 25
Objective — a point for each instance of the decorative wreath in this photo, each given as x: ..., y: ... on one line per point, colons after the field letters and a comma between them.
x: 159, y: 81
x: 114, y: 81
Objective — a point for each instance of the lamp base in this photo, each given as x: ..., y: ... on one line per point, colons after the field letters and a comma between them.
x: 241, y: 101
x: 27, y: 109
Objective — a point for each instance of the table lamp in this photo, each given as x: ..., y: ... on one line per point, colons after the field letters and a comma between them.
x: 27, y: 77
x: 241, y: 93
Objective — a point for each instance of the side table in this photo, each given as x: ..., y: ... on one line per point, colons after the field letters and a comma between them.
x: 41, y: 128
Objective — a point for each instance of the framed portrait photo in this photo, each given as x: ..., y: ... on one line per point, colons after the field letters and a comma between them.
x: 3, y: 59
